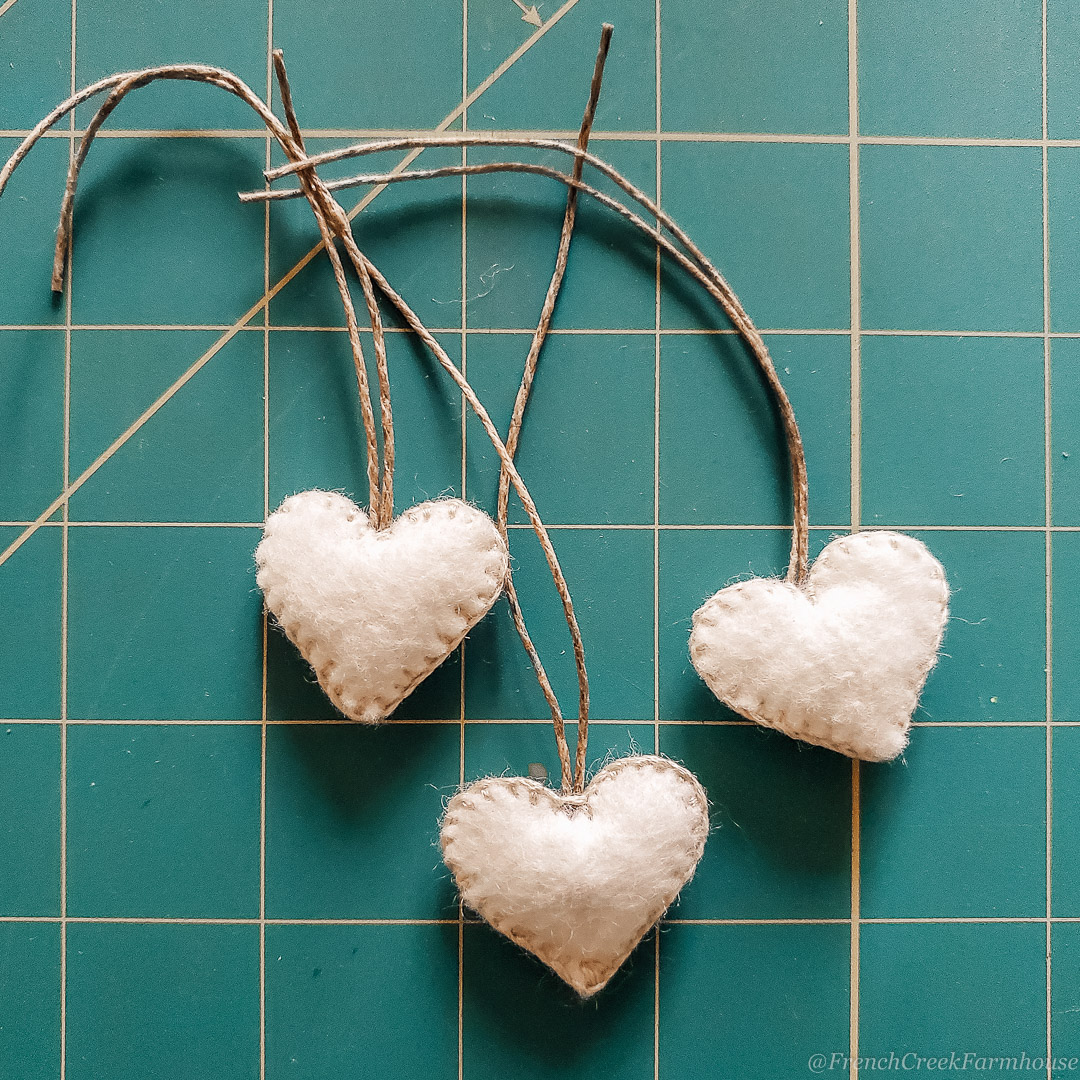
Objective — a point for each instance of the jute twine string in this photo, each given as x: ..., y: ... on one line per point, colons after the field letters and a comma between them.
x: 684, y: 252
x: 384, y: 513
x: 571, y: 781
x: 513, y: 434
x: 333, y: 221
x: 380, y: 485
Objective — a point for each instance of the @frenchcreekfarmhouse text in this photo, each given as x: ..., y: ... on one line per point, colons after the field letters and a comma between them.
x: 954, y: 1061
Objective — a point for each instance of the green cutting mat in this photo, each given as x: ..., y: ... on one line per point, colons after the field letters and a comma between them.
x: 203, y: 875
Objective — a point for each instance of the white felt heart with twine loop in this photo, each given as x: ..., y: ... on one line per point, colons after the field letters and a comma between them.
x: 376, y: 611
x: 839, y: 660
x: 578, y: 879
x: 577, y: 876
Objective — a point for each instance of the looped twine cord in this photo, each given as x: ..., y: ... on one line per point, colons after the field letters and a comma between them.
x: 333, y: 224
x: 679, y: 247
x: 380, y: 488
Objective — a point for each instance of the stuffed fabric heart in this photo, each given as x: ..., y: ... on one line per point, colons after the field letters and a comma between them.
x: 839, y: 661
x: 578, y: 879
x: 375, y: 612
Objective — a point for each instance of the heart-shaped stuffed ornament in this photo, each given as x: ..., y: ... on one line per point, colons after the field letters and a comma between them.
x: 376, y: 611
x: 578, y: 880
x: 838, y: 661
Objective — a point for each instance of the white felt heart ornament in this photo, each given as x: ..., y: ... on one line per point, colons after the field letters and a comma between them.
x: 578, y: 879
x: 376, y: 611
x: 838, y: 661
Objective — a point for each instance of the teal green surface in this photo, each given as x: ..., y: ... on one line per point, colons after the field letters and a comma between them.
x: 628, y: 102
x: 28, y: 215
x: 209, y: 440
x: 781, y: 815
x: 356, y: 1000
x: 30, y: 633
x: 1066, y: 838
x: 138, y: 845
x: 30, y: 816
x: 413, y: 236
x: 951, y: 238
x: 1065, y: 444
x: 971, y: 70
x: 138, y: 780
x: 785, y: 252
x: 1063, y: 71
x: 966, y: 988
x: 752, y: 1001
x: 160, y: 238
x: 982, y: 399
x: 119, y: 35
x: 350, y: 834
x: 521, y: 1021
x: 384, y: 77
x: 989, y: 784
x: 317, y: 436
x: 158, y: 629
x: 611, y: 283
x: 609, y: 574
x: 36, y: 47
x: 993, y: 662
x: 30, y: 999
x: 32, y: 389
x: 1063, y: 175
x: 775, y: 67
x: 509, y: 749
x: 1066, y: 625
x: 1065, y: 1022
x: 722, y: 456
x: 162, y: 999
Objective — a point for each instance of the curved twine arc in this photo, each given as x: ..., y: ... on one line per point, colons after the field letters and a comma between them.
x: 692, y: 260
x: 324, y: 206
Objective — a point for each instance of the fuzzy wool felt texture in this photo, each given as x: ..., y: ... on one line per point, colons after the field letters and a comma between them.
x: 838, y: 661
x: 578, y: 879
x: 376, y: 611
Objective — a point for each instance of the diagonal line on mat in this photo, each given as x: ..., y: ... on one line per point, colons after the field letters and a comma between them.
x: 6, y: 6
x: 233, y: 330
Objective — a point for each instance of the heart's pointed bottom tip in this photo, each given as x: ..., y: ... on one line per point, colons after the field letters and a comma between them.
x: 586, y: 990
x: 879, y: 750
